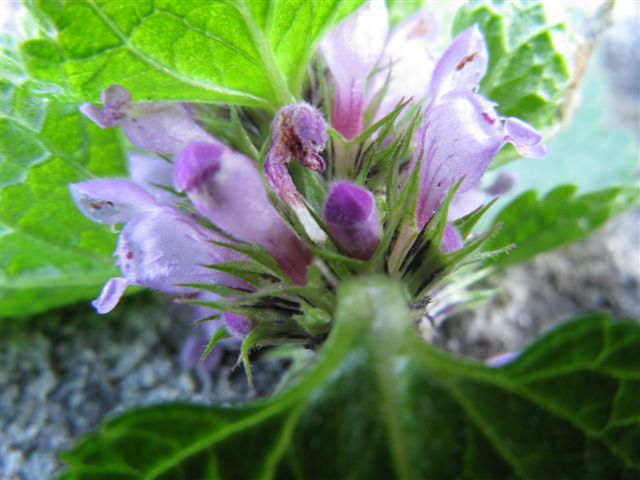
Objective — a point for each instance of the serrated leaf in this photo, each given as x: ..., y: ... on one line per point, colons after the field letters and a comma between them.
x: 379, y: 403
x: 51, y: 254
x: 247, y: 52
x: 595, y: 151
x: 527, y: 75
x: 538, y: 225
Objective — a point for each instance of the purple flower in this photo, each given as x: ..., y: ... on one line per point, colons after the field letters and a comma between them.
x: 162, y: 250
x: 408, y: 61
x: 237, y: 325
x: 462, y: 66
x: 155, y: 175
x: 451, y: 240
x: 158, y: 127
x: 352, y: 218
x: 226, y: 188
x: 111, y: 201
x: 351, y: 51
x: 502, y: 359
x: 300, y: 133
x: 462, y: 132
x: 159, y: 247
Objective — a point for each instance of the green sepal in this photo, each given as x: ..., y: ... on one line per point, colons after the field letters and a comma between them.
x: 260, y: 254
x: 315, y: 321
x: 220, y: 334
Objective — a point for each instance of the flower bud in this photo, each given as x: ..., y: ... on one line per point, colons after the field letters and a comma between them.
x: 226, y: 188
x: 352, y: 219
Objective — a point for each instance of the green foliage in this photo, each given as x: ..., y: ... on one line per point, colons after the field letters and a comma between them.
x: 527, y: 76
x: 51, y: 254
x: 537, y: 225
x: 399, y: 10
x: 379, y: 403
x: 246, y: 52
x: 595, y: 151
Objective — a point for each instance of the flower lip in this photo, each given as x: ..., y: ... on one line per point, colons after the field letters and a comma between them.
x: 348, y: 204
x: 198, y: 162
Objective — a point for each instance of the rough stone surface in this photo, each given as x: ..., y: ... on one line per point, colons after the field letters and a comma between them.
x: 601, y: 273
x: 61, y: 373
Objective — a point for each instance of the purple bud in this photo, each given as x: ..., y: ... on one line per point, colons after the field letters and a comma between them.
x: 352, y: 219
x: 237, y: 325
x: 158, y: 127
x: 351, y: 51
x: 226, y: 187
x: 451, y: 240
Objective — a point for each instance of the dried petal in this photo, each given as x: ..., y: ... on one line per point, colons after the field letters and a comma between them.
x: 299, y: 132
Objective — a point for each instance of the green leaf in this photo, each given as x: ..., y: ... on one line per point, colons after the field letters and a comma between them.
x: 595, y: 151
x: 245, y: 52
x: 400, y: 10
x: 537, y: 225
x: 528, y: 75
x: 379, y: 403
x: 51, y: 254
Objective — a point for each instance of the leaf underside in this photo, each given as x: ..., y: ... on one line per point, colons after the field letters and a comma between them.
x: 379, y: 403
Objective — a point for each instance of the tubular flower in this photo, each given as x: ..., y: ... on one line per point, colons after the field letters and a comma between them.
x: 159, y: 248
x: 351, y: 51
x: 158, y: 127
x: 462, y: 132
x: 352, y: 219
x: 215, y: 179
x: 408, y: 59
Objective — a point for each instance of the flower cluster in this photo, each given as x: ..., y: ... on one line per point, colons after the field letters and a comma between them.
x: 389, y: 184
